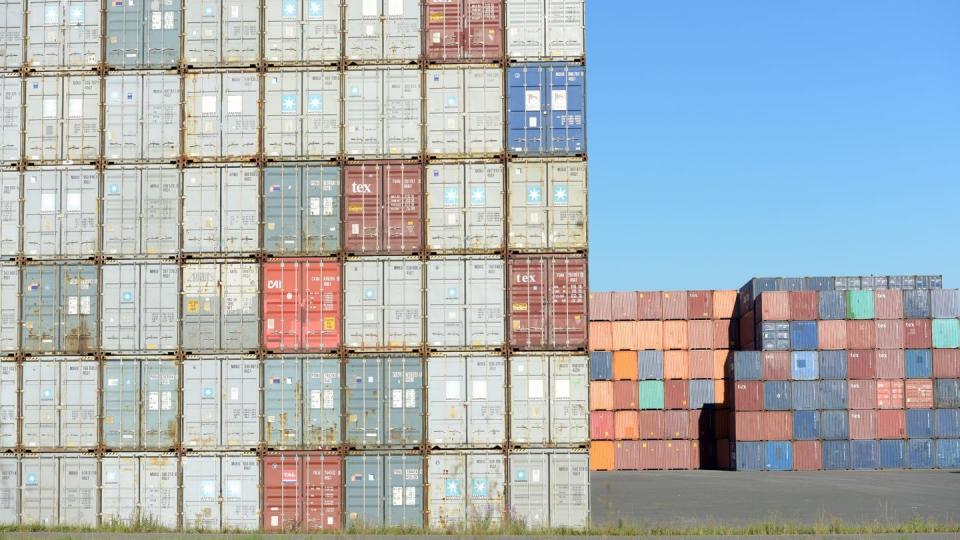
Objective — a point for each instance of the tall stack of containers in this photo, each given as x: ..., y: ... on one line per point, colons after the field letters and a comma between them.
x: 323, y: 263
x: 848, y: 373
x: 657, y: 390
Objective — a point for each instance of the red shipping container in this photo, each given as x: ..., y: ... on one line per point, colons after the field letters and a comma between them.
x: 776, y: 365
x: 724, y: 304
x: 892, y: 424
x: 890, y: 364
x: 777, y: 425
x: 675, y: 305
x: 384, y: 208
x: 301, y: 304
x: 774, y: 306
x: 651, y: 424
x: 676, y: 365
x: 675, y: 335
x: 748, y: 396
x: 807, y: 456
x: 888, y: 304
x: 699, y: 424
x: 676, y: 395
x: 301, y: 491
x: 601, y: 396
x: 701, y: 364
x: 649, y: 306
x: 890, y: 394
x: 804, y: 306
x: 747, y: 331
x: 464, y: 30
x: 548, y: 303
x: 651, y: 455
x: 601, y: 336
x: 624, y: 306
x: 650, y: 335
x: 625, y: 425
x: 624, y: 335
x: 832, y: 335
x: 863, y: 425
x: 946, y: 363
x: 677, y: 455
x: 700, y: 334
x: 862, y: 394
x: 697, y: 455
x: 919, y: 393
x: 889, y: 334
x: 723, y: 334
x: 748, y: 426
x: 626, y: 455
x: 862, y: 364
x: 861, y: 334
x: 625, y: 395
x: 699, y: 304
x: 601, y: 425
x: 676, y: 424
x: 625, y: 365
x: 601, y: 306
x: 917, y: 334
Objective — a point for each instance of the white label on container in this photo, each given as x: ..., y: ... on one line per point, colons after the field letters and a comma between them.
x: 168, y: 20
x: 234, y: 104
x: 395, y: 7
x: 156, y: 20
x: 328, y: 399
x: 235, y: 11
x: 84, y: 305
x: 535, y: 389
x: 48, y: 202
x: 369, y: 8
x: 153, y: 400
x: 396, y: 399
x: 73, y: 201
x: 113, y: 382
x: 166, y: 400
x: 208, y: 104
x: 561, y: 388
x: 531, y: 100
x: 75, y: 108
x: 234, y: 394
x: 50, y: 108
x: 275, y: 521
x: 479, y: 389
x: 72, y: 305
x: 558, y: 100
x: 411, y: 497
x: 397, y: 496
x: 532, y: 122
x: 314, y: 206
x: 410, y: 398
x: 453, y: 390
x: 316, y: 399
x: 535, y: 475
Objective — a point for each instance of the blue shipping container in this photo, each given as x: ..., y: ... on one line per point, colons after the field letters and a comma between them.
x: 749, y: 456
x: 818, y: 284
x: 833, y: 394
x: 945, y: 304
x: 547, y: 109
x: 916, y: 304
x: 864, y: 455
x: 919, y: 423
x: 806, y: 425
x: 806, y: 395
x: 836, y: 455
x: 947, y: 425
x: 779, y: 455
x: 833, y: 305
x: 833, y: 364
x: 918, y: 363
x: 776, y: 396
x: 803, y: 335
x: 891, y: 454
x: 920, y: 454
x: 948, y: 453
x: 650, y: 366
x: 834, y: 425
x: 804, y: 365
x: 701, y: 393
x: 947, y: 393
x: 746, y: 366
x: 601, y: 366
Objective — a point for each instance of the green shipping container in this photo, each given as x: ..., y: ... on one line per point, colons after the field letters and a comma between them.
x: 946, y: 333
x: 860, y: 305
x: 651, y: 395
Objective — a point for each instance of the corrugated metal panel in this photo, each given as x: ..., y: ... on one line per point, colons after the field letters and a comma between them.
x: 301, y: 402
x: 548, y: 205
x: 120, y: 421
x: 141, y: 116
x: 11, y: 33
x: 240, y: 492
x: 382, y: 29
x: 119, y: 490
x: 140, y: 307
x: 221, y: 403
x: 60, y: 307
x: 141, y: 212
x: 546, y: 109
x: 302, y: 490
x: 463, y: 29
x: 60, y: 211
x: 382, y: 112
x: 384, y: 401
x: 465, y: 302
x: 301, y: 113
x: 221, y: 32
x: 301, y: 304
x: 469, y: 488
x: 549, y: 490
x: 39, y: 496
x: 549, y: 400
x: 11, y: 113
x: 160, y: 395
x: 542, y: 321
x: 160, y: 489
x: 63, y: 34
x: 201, y: 492
x: 467, y: 402
x: 545, y: 28
x: 464, y: 206
x: 301, y: 209
x: 384, y: 491
x: 221, y: 306
x: 383, y: 298
x: 220, y: 210
x: 9, y: 406
x: 221, y: 114
x: 296, y: 33
x: 384, y: 209
x: 63, y: 118
x: 464, y: 111
x: 142, y: 35
x: 9, y: 307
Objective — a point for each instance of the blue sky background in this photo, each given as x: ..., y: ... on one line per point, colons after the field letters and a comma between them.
x: 750, y: 137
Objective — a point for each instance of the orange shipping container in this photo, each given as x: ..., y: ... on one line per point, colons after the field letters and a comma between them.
x: 723, y: 336
x: 774, y: 306
x: 701, y: 365
x: 601, y: 336
x: 649, y: 306
x: 720, y: 392
x: 675, y: 335
x: 919, y: 393
x: 722, y: 360
x: 650, y: 336
x: 674, y: 305
x: 676, y: 365
x: 626, y: 425
x: 601, y: 456
x: 700, y: 334
x: 832, y: 335
x: 724, y: 304
x: 625, y: 365
x: 777, y: 425
x: 601, y: 395
x: 624, y: 335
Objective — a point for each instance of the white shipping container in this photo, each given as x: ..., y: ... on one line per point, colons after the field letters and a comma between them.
x: 221, y: 32
x: 9, y: 307
x: 10, y: 214
x: 467, y: 401
x: 58, y: 489
x: 221, y: 306
x: 11, y: 33
x: 548, y: 205
x: 545, y: 29
x: 9, y: 406
x: 120, y: 490
x: 302, y: 114
x: 221, y: 116
x: 11, y: 116
x: 141, y: 117
x: 9, y: 490
x: 465, y: 302
x: 465, y: 207
x: 465, y: 488
x: 383, y: 29
x: 221, y: 207
x: 302, y: 31
x: 549, y: 400
x: 59, y: 410
x: 63, y: 118
x: 383, y: 305
x: 63, y: 34
x: 550, y: 489
x: 60, y: 212
x: 464, y: 111
x: 221, y: 492
x: 382, y: 112
x: 221, y: 403
x: 159, y: 490
x: 141, y: 212
x: 140, y: 308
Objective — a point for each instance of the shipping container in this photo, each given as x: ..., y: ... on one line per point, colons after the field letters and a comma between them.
x: 384, y: 209
x: 221, y: 32
x: 58, y: 490
x: 60, y: 213
x: 9, y: 406
x: 945, y: 303
x: 221, y: 403
x: 220, y: 306
x: 465, y: 488
x: 59, y: 308
x: 157, y: 403
x: 140, y: 311
x: 11, y: 115
x: 142, y: 35
x: 459, y: 30
x: 548, y: 401
x: 141, y: 212
x: 464, y: 207
x: 546, y: 109
x: 301, y: 491
x: 11, y: 34
x: 221, y: 492
x: 220, y: 210
x: 545, y: 28
x: 381, y: 30
x: 9, y: 308
x: 547, y: 299
x: 384, y: 490
x: 160, y: 492
x: 465, y: 303
x: 301, y: 209
x: 59, y: 410
x: 63, y: 34
x: 301, y: 304
x: 464, y: 111
x: 301, y: 112
x: 119, y: 490
x: 383, y: 304
x: 548, y: 206
x: 296, y: 32
x: 141, y: 118
x: 549, y: 489
x: 220, y: 111
x: 384, y: 401
x: 301, y: 402
x: 601, y: 336
x: 382, y: 111
x: 62, y: 118
x: 467, y: 401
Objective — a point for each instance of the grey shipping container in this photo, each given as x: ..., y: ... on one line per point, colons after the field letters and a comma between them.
x: 160, y: 397
x: 548, y: 400
x: 10, y: 213
x: 60, y: 212
x: 545, y: 28
x: 221, y: 306
x: 221, y: 492
x: 120, y: 490
x: 59, y: 489
x: 11, y: 116
x: 63, y: 34
x: 221, y: 403
x: 9, y: 307
x: 301, y: 114
x: 141, y: 212
x: 141, y: 117
x: 467, y: 401
x: 301, y: 209
x: 9, y: 406
x: 220, y: 210
x: 295, y: 33
x: 384, y: 490
x: 60, y: 308
x: 160, y: 490
x: 11, y: 33
x: 465, y: 302
x: 121, y: 421
x: 465, y: 488
x: 9, y: 490
x: 382, y: 112
x: 301, y: 402
x: 221, y: 117
x: 383, y: 303
x: 464, y: 111
x: 548, y: 205
x: 63, y: 118
x: 550, y: 490
x: 142, y: 34
x: 465, y: 207
x: 221, y: 32
x: 140, y: 307
x: 384, y: 401
x: 383, y: 29
x: 58, y: 406
x: 201, y: 492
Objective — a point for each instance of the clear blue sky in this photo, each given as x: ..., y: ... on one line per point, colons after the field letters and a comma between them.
x: 736, y: 138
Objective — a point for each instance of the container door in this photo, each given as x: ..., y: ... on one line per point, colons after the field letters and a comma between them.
x: 401, y: 110
x: 81, y: 123
x: 159, y: 307
x: 568, y: 205
x: 119, y: 491
x: 39, y: 494
x: 363, y: 200
x: 447, y: 419
x: 241, y: 31
x: 241, y: 306
x: 162, y: 34
x: 78, y: 491
x: 9, y: 490
x: 41, y: 213
x: 364, y: 30
x: 486, y: 406
x: 363, y: 293
x: 41, y: 303
x: 569, y: 384
x: 445, y: 108
x: 403, y: 498
x: 11, y: 33
x: 282, y: 208
x: 9, y: 409
x: 161, y: 406
x: 322, y: 503
x: 528, y: 205
x: 11, y: 112
x: 447, y: 479
x: 159, y: 491
x: 444, y: 27
x: 568, y: 307
x: 44, y: 111
x: 283, y: 31
x: 322, y: 389
x: 282, y: 491
x: 41, y: 404
x: 79, y: 208
x: 201, y: 210
x: 240, y: 492
x: 240, y: 394
x: 446, y: 296
x: 529, y: 400
x: 528, y: 303
x: 9, y: 306
x: 485, y: 476
x: 566, y: 95
x: 484, y: 301
x: 121, y: 404
x: 281, y: 305
x: 529, y: 489
x: 45, y: 34
x: 564, y: 20
x: 363, y: 107
x: 201, y: 306
x: 241, y: 210
x: 78, y: 404
x: 121, y: 307
x: 483, y: 96
x: 82, y: 33
x: 569, y: 490
x: 321, y: 105
x: 160, y: 207
x: 201, y: 404
x: 121, y: 212
x: 79, y: 311
x: 525, y: 28
x: 445, y: 207
x: 201, y: 110
x: 527, y: 109
x: 201, y: 492
x: 321, y: 304
x: 282, y: 405
x: 365, y: 390
x: 201, y: 39
x: 402, y: 311
x: 484, y: 208
x: 404, y: 401
x: 123, y: 119
x: 283, y: 114
x: 401, y: 29
x: 240, y: 109
x: 321, y: 31
x: 403, y: 209
x: 364, y: 491
x: 483, y: 29
x: 321, y: 208
x: 161, y: 111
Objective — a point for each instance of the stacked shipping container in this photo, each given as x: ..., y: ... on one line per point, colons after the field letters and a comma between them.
x: 657, y: 390
x: 852, y: 373
x: 324, y: 263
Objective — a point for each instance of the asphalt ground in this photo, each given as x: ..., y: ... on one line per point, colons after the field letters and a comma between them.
x: 693, y: 498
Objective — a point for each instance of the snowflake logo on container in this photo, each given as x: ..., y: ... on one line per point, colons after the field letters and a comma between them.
x: 127, y: 296
x: 207, y: 392
x: 114, y: 188
x: 534, y: 195
x: 31, y: 479
x: 453, y: 293
x: 521, y: 475
x: 451, y: 488
x: 560, y: 194
x: 479, y: 487
x: 478, y: 196
x: 46, y: 393
x: 314, y: 103
x: 288, y: 104
x: 369, y: 294
x: 451, y: 196
x: 76, y: 14
x: 50, y: 15
x: 289, y: 8
x: 207, y: 489
x: 316, y: 9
